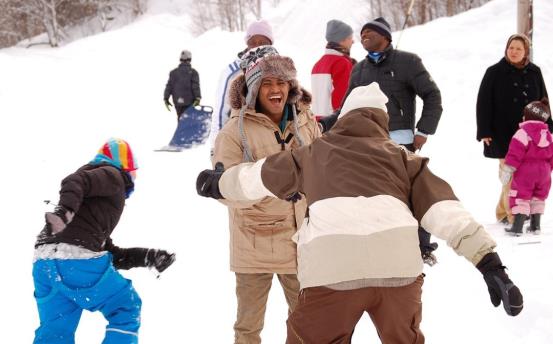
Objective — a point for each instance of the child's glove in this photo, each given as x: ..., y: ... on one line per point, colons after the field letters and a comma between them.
x: 505, y: 174
x: 58, y: 220
x: 500, y: 287
x: 159, y: 259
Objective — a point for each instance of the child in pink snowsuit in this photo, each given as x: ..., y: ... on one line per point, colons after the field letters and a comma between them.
x: 529, y: 161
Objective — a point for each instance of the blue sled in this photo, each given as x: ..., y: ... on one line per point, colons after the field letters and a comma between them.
x: 192, y: 129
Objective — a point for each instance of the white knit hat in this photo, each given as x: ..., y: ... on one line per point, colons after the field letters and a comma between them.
x: 365, y: 96
x: 260, y: 27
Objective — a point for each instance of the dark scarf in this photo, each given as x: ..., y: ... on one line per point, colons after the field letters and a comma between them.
x: 338, y: 47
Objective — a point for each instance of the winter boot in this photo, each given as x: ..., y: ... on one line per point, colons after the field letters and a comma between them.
x: 534, y: 224
x: 516, y: 228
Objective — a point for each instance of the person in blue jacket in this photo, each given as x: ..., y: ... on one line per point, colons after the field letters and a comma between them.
x: 75, y: 260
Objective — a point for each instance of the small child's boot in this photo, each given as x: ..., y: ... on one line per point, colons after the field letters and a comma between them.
x: 534, y: 224
x: 516, y: 228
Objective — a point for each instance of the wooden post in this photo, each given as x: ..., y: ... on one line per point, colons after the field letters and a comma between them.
x: 525, y: 21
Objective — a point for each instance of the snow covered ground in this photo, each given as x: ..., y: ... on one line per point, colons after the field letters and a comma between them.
x: 57, y: 106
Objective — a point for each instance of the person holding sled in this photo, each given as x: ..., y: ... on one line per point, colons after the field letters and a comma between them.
x: 183, y: 86
x: 75, y: 260
x: 529, y: 161
x: 358, y: 248
x: 270, y: 114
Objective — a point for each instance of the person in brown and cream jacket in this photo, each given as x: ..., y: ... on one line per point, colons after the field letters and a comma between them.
x: 270, y: 113
x: 358, y: 249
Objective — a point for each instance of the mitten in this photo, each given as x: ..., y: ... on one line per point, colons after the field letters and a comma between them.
x: 196, y: 102
x: 58, y: 220
x: 500, y: 287
x: 505, y: 174
x: 168, y: 104
x: 159, y: 259
x: 207, y: 183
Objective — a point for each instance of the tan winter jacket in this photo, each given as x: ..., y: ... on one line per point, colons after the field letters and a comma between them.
x: 261, y: 232
x: 366, y: 198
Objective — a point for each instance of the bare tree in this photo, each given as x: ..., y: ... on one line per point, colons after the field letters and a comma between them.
x: 395, y: 11
x: 20, y: 19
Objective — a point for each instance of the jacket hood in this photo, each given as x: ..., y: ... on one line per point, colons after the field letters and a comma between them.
x: 238, y: 91
x: 363, y: 122
x: 538, y: 132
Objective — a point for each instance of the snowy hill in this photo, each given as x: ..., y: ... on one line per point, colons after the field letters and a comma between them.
x: 57, y: 106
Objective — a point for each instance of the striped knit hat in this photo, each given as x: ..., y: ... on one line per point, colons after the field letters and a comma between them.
x: 537, y: 110
x: 118, y: 153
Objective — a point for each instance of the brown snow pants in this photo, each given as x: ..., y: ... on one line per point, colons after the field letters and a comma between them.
x: 325, y: 316
x: 252, y: 291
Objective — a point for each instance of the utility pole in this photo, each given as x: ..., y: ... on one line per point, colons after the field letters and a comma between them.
x: 525, y: 21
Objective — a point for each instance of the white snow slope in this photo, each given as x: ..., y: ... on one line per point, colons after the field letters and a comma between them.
x: 57, y: 106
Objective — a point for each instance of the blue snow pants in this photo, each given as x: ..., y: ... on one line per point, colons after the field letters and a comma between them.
x: 64, y: 287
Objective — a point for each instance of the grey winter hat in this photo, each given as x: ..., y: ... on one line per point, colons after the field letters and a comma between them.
x: 381, y: 26
x: 185, y: 55
x: 337, y: 31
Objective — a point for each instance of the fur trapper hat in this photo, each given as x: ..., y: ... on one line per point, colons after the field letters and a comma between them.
x: 264, y: 62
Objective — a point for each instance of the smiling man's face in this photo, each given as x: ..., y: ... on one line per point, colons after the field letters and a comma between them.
x: 272, y: 97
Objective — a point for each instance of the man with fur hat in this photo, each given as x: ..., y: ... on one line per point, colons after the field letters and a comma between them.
x: 183, y: 85
x: 270, y: 114
x: 358, y: 250
x: 75, y: 263
x: 258, y: 33
x: 330, y: 75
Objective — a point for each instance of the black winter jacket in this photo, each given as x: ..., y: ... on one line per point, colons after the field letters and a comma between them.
x: 96, y: 194
x: 504, y: 92
x: 183, y: 85
x: 402, y: 76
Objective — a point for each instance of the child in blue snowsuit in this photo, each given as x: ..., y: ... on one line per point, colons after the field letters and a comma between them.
x: 75, y: 262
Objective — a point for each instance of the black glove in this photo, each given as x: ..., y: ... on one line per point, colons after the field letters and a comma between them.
x: 168, y: 104
x: 327, y: 122
x: 58, y: 220
x: 500, y: 287
x: 296, y: 196
x: 207, y: 183
x: 159, y: 259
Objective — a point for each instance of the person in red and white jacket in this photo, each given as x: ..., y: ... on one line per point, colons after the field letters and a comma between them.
x: 330, y: 75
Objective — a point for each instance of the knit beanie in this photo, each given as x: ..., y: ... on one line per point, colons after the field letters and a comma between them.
x: 185, y: 55
x: 537, y: 110
x: 260, y: 27
x: 257, y: 64
x: 381, y: 26
x: 264, y: 62
x: 117, y: 153
x: 337, y: 31
x: 370, y: 96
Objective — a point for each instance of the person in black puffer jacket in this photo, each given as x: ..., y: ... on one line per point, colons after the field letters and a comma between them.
x: 183, y: 85
x: 75, y: 262
x: 402, y: 77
